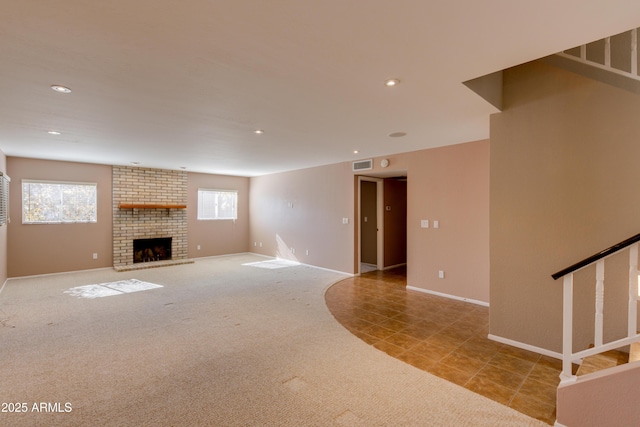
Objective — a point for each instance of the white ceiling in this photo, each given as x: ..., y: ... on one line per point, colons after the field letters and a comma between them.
x: 175, y: 84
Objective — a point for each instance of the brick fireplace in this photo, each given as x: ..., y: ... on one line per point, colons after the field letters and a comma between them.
x: 159, y: 197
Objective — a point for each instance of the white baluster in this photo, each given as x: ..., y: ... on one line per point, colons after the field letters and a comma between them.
x: 599, y: 326
x: 567, y: 328
x: 633, y: 290
x: 607, y: 52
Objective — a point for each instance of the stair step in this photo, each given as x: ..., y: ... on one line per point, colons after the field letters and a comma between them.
x: 634, y: 352
x: 601, y: 361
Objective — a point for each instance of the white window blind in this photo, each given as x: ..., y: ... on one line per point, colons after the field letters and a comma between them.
x: 4, y: 198
x: 217, y: 204
x: 48, y: 202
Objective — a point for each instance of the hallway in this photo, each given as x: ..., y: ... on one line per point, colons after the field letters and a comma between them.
x: 444, y: 337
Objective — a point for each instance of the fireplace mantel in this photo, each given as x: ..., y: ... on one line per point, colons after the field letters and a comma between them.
x: 150, y: 206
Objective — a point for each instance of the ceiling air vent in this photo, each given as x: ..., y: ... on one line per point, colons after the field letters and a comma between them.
x: 363, y: 165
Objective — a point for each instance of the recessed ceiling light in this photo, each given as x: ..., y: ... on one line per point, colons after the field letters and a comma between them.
x: 391, y: 82
x: 397, y: 134
x: 61, y: 89
x: 54, y: 132
x: 356, y: 151
x: 258, y: 131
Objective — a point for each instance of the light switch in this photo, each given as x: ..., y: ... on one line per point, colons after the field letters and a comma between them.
x: 345, y: 220
x: 436, y: 223
x: 424, y: 223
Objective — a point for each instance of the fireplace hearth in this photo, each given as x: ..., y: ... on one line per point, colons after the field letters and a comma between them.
x: 149, y: 250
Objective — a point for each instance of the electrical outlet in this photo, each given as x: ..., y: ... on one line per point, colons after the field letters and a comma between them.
x: 307, y: 252
x: 198, y: 247
x: 440, y: 274
x: 95, y: 255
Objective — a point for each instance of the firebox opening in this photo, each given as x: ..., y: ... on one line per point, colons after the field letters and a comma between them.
x: 147, y: 250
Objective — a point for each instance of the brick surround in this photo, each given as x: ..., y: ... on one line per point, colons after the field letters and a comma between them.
x: 148, y: 186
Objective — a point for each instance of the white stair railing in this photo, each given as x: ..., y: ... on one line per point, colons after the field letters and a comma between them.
x: 568, y: 355
x: 618, y: 54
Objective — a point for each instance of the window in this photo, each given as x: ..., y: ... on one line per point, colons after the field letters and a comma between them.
x: 48, y: 202
x: 4, y: 198
x: 217, y: 204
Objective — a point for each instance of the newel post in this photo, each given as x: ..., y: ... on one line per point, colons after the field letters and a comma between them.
x: 599, y: 325
x: 567, y: 328
x: 633, y: 290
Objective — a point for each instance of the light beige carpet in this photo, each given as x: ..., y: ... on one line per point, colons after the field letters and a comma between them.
x: 219, y: 344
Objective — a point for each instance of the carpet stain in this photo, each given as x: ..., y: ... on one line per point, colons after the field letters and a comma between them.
x: 5, y: 323
x: 294, y: 384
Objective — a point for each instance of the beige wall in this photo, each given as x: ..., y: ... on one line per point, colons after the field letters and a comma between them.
x: 449, y: 184
x: 564, y: 172
x: 299, y: 209
x: 304, y: 210
x: 51, y: 248
x: 3, y: 232
x: 217, y: 237
x: 31, y: 251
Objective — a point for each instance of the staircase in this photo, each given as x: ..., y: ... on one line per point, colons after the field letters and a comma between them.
x: 613, y: 60
x: 618, y: 54
x: 602, y: 391
x: 605, y: 360
x: 598, y: 260
x: 609, y: 359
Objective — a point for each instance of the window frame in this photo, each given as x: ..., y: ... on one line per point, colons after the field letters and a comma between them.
x: 60, y: 220
x: 215, y: 190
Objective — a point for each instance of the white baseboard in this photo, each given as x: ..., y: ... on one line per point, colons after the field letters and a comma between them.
x: 228, y: 255
x: 302, y: 263
x: 524, y: 346
x: 59, y: 273
x: 394, y: 266
x: 440, y: 294
x: 326, y: 269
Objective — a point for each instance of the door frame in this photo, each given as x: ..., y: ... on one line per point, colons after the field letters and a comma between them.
x: 379, y: 220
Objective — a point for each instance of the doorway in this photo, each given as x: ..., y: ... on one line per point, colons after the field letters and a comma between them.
x: 371, y: 237
x: 382, y: 228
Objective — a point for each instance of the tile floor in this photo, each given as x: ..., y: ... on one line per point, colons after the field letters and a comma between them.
x: 445, y: 337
